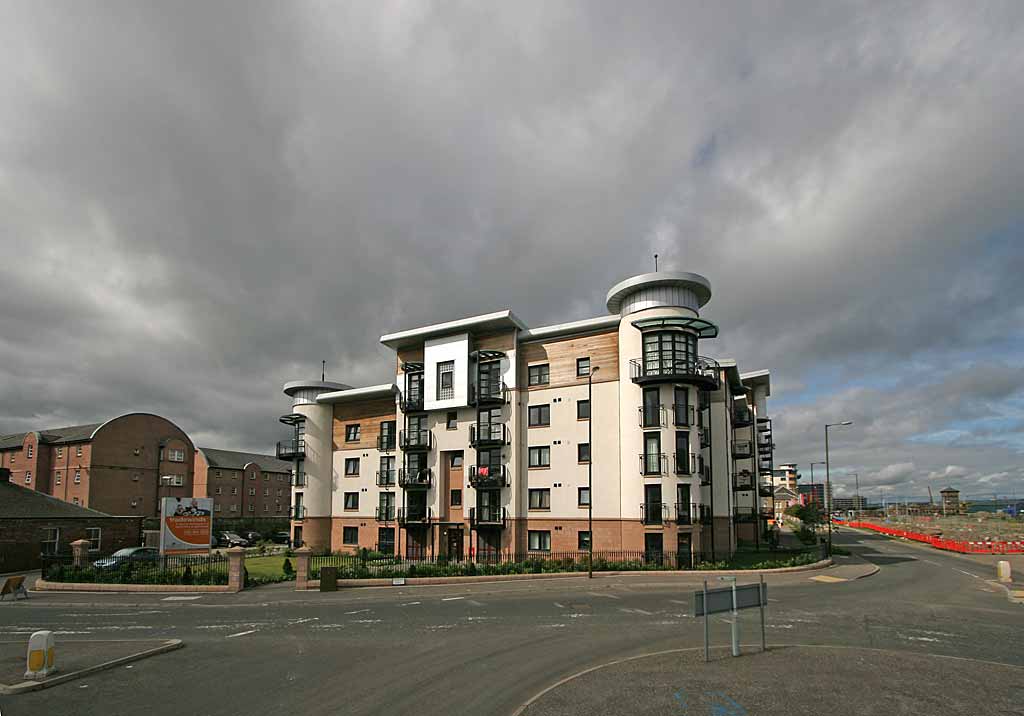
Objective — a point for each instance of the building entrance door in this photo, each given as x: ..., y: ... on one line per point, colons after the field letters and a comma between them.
x: 654, y: 547
x: 455, y: 544
x: 684, y: 552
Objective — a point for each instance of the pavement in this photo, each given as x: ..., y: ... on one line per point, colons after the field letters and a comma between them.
x: 492, y: 648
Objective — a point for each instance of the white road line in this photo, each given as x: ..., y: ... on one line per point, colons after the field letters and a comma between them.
x: 609, y: 596
x: 410, y: 604
x: 358, y: 611
x: 560, y: 606
x: 180, y: 599
x: 967, y: 573
x: 629, y: 610
x: 475, y: 603
x: 303, y: 621
x: 451, y: 599
x: 931, y: 562
x: 679, y: 601
x: 241, y: 633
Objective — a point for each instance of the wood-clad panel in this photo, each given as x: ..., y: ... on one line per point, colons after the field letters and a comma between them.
x: 369, y: 414
x: 561, y: 355
x: 504, y: 341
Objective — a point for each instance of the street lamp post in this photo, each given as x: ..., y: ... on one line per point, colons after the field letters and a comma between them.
x: 590, y: 472
x: 856, y: 493
x: 828, y: 483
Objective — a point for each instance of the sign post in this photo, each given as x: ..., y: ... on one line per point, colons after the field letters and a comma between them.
x: 707, y: 630
x: 730, y: 599
x: 186, y: 525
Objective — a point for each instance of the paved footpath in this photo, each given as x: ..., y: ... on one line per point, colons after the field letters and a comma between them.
x: 491, y: 648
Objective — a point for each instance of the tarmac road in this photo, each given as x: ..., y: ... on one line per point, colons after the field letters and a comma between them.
x: 490, y: 648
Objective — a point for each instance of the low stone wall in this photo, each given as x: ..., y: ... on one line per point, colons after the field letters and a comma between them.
x: 43, y: 586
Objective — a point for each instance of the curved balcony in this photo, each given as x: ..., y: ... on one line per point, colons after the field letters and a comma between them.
x: 386, y: 478
x: 385, y: 513
x: 488, y: 476
x: 702, y: 372
x: 745, y: 514
x: 413, y: 479
x: 413, y: 515
x: 415, y: 440
x: 489, y: 393
x: 653, y: 513
x: 651, y: 416
x: 653, y: 464
x: 291, y: 449
x: 488, y: 435
x: 488, y: 516
x: 411, y: 402
x: 765, y: 490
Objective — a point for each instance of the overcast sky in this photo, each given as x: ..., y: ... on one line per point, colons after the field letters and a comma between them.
x: 200, y: 201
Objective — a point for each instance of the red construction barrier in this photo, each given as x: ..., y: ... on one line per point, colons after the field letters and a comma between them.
x: 950, y: 545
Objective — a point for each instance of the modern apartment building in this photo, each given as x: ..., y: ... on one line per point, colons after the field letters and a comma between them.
x: 484, y: 440
x: 243, y: 484
x: 119, y: 467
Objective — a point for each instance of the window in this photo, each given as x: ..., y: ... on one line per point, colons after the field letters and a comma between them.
x: 583, y: 410
x: 387, y: 435
x: 160, y: 453
x: 456, y: 498
x: 219, y: 491
x: 136, y: 477
x: 218, y: 473
x: 539, y: 415
x: 582, y: 367
x: 350, y: 535
x: 252, y: 507
x: 456, y: 461
x: 538, y: 374
x: 540, y: 456
x: 28, y: 477
x: 583, y: 452
x: 51, y: 540
x: 266, y: 478
x: 680, y: 408
x: 453, y: 420
x: 540, y: 499
x: 134, y: 502
x: 669, y: 352
x: 351, y: 500
x: 176, y: 455
x: 252, y: 492
x: 234, y: 490
x: 279, y: 492
x: 266, y: 492
x: 252, y: 475
x: 266, y: 507
x: 539, y: 541
x: 78, y: 451
x: 583, y: 496
x: 78, y: 476
x: 446, y: 380
x: 60, y: 452
x: 683, y: 452
x: 582, y: 540
x: 29, y: 452
x: 234, y: 508
x: 216, y: 507
x: 387, y: 470
x: 58, y: 478
x: 74, y: 500
x: 352, y: 433
x: 93, y: 535
x: 351, y: 466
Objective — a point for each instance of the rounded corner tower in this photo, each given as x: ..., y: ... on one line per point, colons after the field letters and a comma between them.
x: 310, y: 451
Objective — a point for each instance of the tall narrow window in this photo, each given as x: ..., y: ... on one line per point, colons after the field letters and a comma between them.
x: 583, y: 367
x: 683, y: 460
x: 651, y: 417
x: 446, y: 380
x: 387, y: 435
x: 652, y: 454
x: 583, y: 410
x: 680, y: 407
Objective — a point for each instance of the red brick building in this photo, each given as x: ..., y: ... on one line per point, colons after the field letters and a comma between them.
x: 121, y: 466
x: 243, y: 484
x: 33, y: 523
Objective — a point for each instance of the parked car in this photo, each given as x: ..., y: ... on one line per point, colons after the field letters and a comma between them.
x: 253, y: 537
x: 281, y: 538
x: 128, y: 554
x: 230, y: 539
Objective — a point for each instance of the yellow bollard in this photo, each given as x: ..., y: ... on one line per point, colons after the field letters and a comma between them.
x: 41, y: 656
x: 1003, y: 572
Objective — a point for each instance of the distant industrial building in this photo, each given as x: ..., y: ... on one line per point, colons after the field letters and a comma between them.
x: 845, y: 504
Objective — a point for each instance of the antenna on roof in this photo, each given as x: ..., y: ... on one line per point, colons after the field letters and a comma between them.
x: 655, y: 263
x: 323, y: 370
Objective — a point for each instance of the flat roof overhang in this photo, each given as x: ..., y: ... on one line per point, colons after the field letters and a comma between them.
x: 484, y: 323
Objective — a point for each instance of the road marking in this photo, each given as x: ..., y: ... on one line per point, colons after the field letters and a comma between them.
x: 180, y: 599
x: 679, y: 601
x: 410, y: 604
x: 303, y: 621
x: 827, y: 579
x: 560, y: 606
x: 451, y: 599
x: 358, y: 611
x: 967, y: 573
x: 609, y: 596
x: 629, y: 610
x: 241, y: 633
x: 931, y: 562
x: 475, y: 603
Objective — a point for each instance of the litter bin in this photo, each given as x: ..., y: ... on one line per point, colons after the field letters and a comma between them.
x: 328, y: 579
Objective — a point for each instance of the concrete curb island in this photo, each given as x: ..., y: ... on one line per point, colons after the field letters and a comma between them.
x: 43, y: 586
x: 26, y: 686
x: 314, y: 584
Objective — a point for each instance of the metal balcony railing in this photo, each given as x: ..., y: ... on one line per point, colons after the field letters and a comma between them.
x: 488, y: 476
x: 290, y: 449
x: 414, y: 478
x: 385, y: 513
x: 411, y: 401
x: 299, y: 479
x: 684, y: 463
x: 743, y: 480
x: 687, y: 513
x: 651, y: 416
x: 741, y: 449
x: 675, y: 369
x: 488, y: 434
x: 705, y: 437
x: 386, y: 478
x: 705, y: 475
x: 491, y: 392
x: 411, y: 440
x: 765, y: 489
x: 745, y: 514
x: 298, y: 512
x: 653, y: 463
x: 742, y: 417
x: 386, y: 442
x: 653, y: 513
x: 413, y: 515
x: 487, y: 516
x: 682, y: 415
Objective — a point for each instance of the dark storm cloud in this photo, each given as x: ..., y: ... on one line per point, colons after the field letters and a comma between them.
x: 197, y: 204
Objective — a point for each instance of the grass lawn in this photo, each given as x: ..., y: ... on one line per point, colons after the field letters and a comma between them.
x: 265, y: 566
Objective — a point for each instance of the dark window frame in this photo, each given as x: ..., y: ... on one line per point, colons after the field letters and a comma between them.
x: 446, y: 380
x: 351, y: 500
x: 583, y: 367
x: 351, y: 461
x: 540, y: 451
x: 543, y: 540
x: 579, y: 496
x: 538, y: 374
x: 352, y: 432
x: 455, y: 497
x: 580, y: 409
x: 541, y: 414
x: 346, y: 531
x: 580, y: 447
x: 452, y: 420
x: 543, y: 495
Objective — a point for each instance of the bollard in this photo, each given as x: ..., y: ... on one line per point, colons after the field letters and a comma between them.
x: 1003, y: 572
x: 41, y: 658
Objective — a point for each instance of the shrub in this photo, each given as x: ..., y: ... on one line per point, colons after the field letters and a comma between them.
x: 287, y: 567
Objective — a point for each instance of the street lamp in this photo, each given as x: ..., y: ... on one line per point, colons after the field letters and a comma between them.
x: 590, y: 472
x: 856, y: 493
x: 828, y: 483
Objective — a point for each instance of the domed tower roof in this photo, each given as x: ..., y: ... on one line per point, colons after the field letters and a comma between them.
x: 662, y: 288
